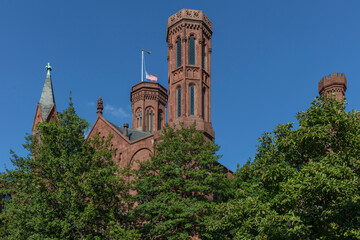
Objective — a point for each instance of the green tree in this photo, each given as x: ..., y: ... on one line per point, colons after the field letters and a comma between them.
x: 178, y: 188
x: 303, y: 183
x: 67, y: 187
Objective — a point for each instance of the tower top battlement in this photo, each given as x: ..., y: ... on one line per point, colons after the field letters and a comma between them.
x: 335, y: 82
x: 189, y: 14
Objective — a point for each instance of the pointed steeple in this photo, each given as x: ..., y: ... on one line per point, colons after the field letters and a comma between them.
x: 47, y: 99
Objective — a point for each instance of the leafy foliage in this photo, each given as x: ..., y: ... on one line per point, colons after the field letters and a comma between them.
x: 303, y: 183
x: 67, y: 187
x: 179, y: 187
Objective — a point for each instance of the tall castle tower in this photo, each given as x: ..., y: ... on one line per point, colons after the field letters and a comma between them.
x: 188, y: 36
x: 334, y: 83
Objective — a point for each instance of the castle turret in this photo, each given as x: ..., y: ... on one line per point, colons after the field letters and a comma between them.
x: 333, y: 83
x: 188, y: 37
x: 148, y: 103
x: 46, y: 108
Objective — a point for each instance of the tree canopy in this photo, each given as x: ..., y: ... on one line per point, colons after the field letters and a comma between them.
x: 179, y: 186
x: 303, y: 183
x: 67, y: 187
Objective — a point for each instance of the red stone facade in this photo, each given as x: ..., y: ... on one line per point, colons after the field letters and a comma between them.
x: 188, y: 98
x: 183, y: 27
x: 148, y: 101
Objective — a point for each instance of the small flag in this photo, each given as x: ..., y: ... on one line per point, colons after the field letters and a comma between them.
x: 151, y: 77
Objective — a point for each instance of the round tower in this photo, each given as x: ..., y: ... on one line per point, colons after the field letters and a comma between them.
x: 188, y: 37
x: 333, y: 83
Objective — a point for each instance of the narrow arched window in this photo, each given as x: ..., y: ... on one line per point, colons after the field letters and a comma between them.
x: 160, y: 118
x: 192, y: 100
x: 151, y: 120
x: 191, y: 50
x: 140, y: 120
x: 178, y: 53
x: 137, y: 120
x: 203, y: 103
x: 147, y: 120
x: 178, y: 93
x: 203, y: 57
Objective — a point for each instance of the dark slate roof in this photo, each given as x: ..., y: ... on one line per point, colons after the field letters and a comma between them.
x: 132, y: 133
x: 47, y: 97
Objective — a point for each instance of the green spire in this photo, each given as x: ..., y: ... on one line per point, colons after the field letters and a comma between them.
x: 48, y: 68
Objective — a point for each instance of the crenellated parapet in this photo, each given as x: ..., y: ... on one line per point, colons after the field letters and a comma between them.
x: 333, y: 83
x: 190, y: 19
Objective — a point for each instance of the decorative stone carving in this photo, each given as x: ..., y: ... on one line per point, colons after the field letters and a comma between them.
x: 100, y: 106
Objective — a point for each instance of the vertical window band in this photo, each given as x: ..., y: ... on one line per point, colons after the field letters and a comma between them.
x: 192, y: 100
x: 178, y: 101
x: 203, y: 57
x: 147, y: 120
x: 178, y: 53
x: 191, y: 50
x: 151, y: 121
x: 203, y: 103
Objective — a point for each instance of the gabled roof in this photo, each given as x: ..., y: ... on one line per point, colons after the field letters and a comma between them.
x: 47, y: 99
x: 132, y: 133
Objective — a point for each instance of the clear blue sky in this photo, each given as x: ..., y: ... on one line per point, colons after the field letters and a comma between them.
x: 267, y: 59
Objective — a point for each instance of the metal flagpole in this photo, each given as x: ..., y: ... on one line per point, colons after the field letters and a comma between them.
x: 142, y: 62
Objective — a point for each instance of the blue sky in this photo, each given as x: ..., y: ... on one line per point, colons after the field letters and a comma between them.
x: 267, y: 59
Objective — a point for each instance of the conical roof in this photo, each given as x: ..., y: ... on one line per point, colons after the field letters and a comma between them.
x: 47, y: 99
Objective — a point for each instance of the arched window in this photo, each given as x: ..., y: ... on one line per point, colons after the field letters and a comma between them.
x: 178, y: 93
x: 160, y: 118
x: 203, y: 103
x: 147, y: 120
x: 203, y: 57
x: 138, y: 119
x: 191, y: 50
x: 151, y: 120
x: 192, y: 100
x: 178, y: 52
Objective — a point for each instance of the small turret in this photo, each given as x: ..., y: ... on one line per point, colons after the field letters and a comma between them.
x: 333, y: 83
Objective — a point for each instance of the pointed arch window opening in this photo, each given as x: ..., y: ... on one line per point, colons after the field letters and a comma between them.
x: 192, y: 100
x: 151, y: 120
x: 203, y: 103
x: 178, y: 52
x: 178, y: 93
x: 138, y: 120
x: 192, y: 50
x: 147, y: 121
x: 160, y: 118
x: 204, y: 56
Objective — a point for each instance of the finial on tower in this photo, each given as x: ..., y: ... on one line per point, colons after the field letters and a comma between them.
x: 48, y: 68
x: 100, y: 106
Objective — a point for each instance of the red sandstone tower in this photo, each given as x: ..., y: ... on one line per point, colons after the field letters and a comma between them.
x: 148, y: 103
x: 335, y: 84
x: 188, y: 37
